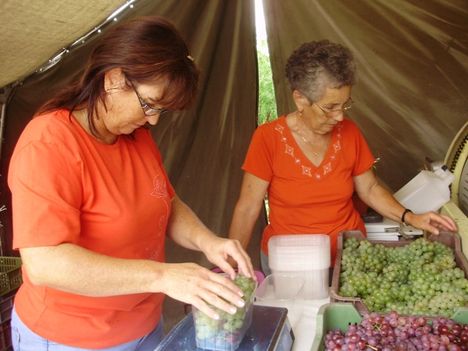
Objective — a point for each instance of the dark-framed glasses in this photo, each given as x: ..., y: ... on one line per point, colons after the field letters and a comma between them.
x: 331, y: 112
x: 148, y: 110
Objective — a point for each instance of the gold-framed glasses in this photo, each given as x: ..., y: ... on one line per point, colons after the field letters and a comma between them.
x: 333, y: 112
x: 148, y: 110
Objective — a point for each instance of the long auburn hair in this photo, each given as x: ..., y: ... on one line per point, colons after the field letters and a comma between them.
x: 146, y: 49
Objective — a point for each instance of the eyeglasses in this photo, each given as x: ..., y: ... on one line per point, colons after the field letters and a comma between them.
x: 148, y: 110
x: 331, y: 112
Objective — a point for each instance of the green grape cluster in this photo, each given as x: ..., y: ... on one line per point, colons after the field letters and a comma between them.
x: 418, y: 278
x: 227, y: 332
x: 235, y: 321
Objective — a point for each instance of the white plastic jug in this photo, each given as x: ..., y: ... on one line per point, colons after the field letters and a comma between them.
x: 428, y: 191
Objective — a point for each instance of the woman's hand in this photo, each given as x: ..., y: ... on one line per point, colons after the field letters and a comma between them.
x: 381, y: 200
x: 186, y: 229
x: 220, y: 251
x: 200, y: 287
x: 431, y: 222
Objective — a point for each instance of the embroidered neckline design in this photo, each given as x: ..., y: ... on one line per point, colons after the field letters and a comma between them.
x: 328, y: 162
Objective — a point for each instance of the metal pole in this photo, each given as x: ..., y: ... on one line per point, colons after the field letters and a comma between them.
x: 5, y: 93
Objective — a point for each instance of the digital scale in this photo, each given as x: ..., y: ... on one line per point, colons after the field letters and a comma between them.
x: 269, y: 331
x: 387, y: 230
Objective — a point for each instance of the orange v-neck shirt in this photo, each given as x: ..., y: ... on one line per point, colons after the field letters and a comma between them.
x: 111, y: 199
x: 304, y: 198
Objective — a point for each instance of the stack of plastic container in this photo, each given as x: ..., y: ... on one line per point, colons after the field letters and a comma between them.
x: 300, y: 259
x: 299, y: 281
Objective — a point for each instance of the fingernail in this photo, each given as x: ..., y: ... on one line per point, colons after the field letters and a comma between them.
x: 232, y: 310
x: 240, y: 303
x: 216, y: 316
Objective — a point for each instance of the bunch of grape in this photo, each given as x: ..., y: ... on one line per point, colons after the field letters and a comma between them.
x: 392, y: 332
x: 235, y: 321
x: 227, y: 332
x: 419, y: 278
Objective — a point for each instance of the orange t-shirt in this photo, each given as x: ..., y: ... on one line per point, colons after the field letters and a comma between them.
x: 115, y: 200
x: 303, y: 198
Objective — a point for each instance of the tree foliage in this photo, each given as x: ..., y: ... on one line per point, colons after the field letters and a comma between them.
x: 267, y: 101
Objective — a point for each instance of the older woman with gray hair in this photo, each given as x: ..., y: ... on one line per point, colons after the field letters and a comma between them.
x: 311, y: 161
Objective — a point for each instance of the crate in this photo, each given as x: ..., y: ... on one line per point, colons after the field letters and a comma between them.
x: 6, y: 306
x: 5, y: 337
x: 339, y: 315
x: 10, y: 274
x: 449, y: 239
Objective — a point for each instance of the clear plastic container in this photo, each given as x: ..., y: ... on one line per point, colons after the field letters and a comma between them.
x: 299, y: 252
x: 311, y: 284
x: 281, y: 286
x: 304, y: 258
x: 290, y: 293
x: 226, y: 333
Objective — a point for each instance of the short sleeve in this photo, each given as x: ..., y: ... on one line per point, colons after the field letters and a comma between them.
x: 258, y: 160
x: 46, y: 195
x: 364, y: 157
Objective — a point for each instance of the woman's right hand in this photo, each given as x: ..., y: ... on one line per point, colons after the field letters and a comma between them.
x: 431, y: 221
x: 198, y: 286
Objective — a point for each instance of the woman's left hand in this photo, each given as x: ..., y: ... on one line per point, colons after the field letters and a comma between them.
x: 218, y: 251
x: 431, y: 222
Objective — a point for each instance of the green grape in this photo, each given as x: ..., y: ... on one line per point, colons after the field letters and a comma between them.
x: 229, y: 330
x: 420, y: 277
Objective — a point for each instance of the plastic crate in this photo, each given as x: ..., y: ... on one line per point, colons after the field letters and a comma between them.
x: 334, y: 316
x: 451, y: 240
x: 5, y: 337
x: 6, y: 306
x: 10, y: 274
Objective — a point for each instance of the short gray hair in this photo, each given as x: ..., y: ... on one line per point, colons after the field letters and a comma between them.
x: 316, y: 65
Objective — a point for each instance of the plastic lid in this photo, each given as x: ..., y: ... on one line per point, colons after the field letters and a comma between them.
x: 298, y: 243
x: 310, y: 264
x: 299, y: 239
x: 299, y: 252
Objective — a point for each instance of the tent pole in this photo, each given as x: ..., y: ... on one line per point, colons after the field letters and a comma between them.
x: 5, y: 94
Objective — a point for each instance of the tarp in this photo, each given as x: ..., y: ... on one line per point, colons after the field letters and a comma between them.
x: 411, y: 97
x: 203, y: 147
x: 32, y: 32
x: 412, y: 56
